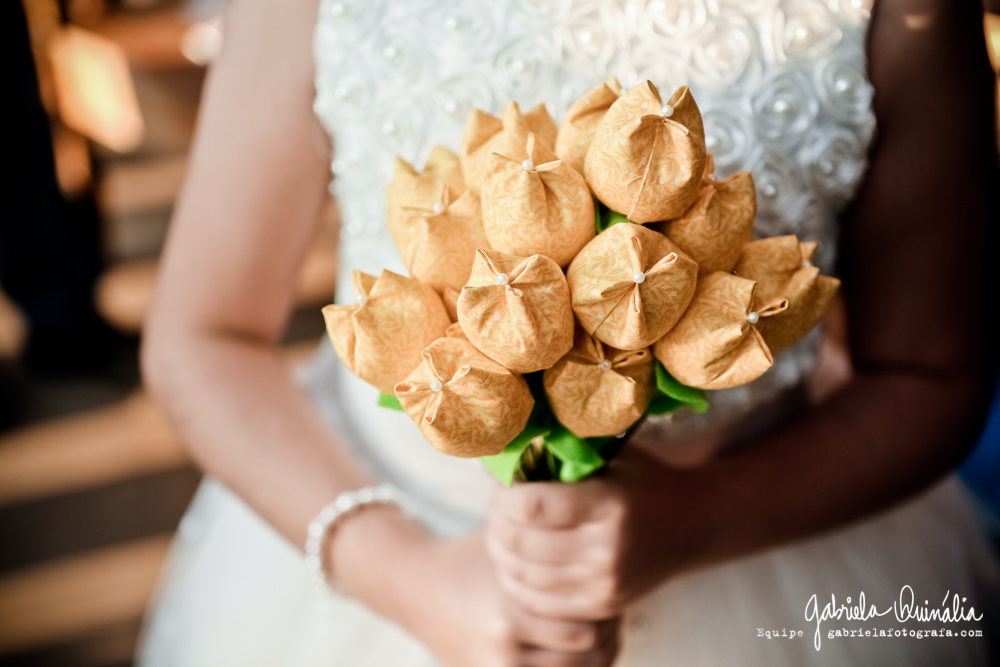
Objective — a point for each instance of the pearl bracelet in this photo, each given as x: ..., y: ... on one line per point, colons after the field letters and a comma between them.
x: 320, y: 527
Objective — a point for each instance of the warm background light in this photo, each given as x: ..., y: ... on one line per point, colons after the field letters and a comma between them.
x: 94, y: 89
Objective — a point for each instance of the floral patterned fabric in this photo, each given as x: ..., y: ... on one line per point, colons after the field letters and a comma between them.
x: 783, y: 266
x: 540, y: 205
x: 381, y: 335
x: 630, y: 285
x: 648, y: 155
x: 713, y: 231
x: 716, y: 344
x: 517, y: 310
x: 596, y: 390
x: 462, y: 400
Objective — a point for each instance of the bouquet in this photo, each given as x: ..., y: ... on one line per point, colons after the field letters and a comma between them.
x: 565, y: 282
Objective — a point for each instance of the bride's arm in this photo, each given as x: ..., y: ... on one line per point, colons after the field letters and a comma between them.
x: 913, y: 268
x: 249, y: 207
x: 248, y: 210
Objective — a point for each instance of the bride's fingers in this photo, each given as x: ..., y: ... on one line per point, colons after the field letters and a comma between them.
x: 593, y: 601
x: 585, y: 544
x: 559, y: 635
x: 541, y: 658
x: 563, y: 578
x: 602, y: 656
x: 552, y: 505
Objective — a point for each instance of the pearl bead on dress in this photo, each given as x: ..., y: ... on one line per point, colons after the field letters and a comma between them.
x: 436, y: 385
x: 638, y: 277
x: 502, y: 279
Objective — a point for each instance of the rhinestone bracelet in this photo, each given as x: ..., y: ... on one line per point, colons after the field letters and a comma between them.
x: 320, y: 527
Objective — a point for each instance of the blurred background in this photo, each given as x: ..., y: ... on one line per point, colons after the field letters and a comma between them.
x: 104, y: 96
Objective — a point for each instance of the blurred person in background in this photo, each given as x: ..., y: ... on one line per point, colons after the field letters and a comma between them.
x: 657, y: 561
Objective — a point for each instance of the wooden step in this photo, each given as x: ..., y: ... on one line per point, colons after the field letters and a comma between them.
x: 110, y: 647
x: 124, y: 440
x: 991, y: 26
x: 134, y: 187
x: 125, y: 291
x: 13, y: 328
x: 127, y: 439
x: 150, y: 39
x: 79, y: 596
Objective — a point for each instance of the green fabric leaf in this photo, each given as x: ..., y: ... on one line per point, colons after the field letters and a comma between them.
x: 606, y: 217
x: 579, y: 458
x: 694, y: 399
x: 505, y: 464
x: 662, y: 404
x: 614, y: 217
x: 389, y: 401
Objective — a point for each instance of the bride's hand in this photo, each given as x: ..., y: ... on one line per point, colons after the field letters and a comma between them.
x: 587, y: 550
x: 465, y: 620
x: 445, y: 593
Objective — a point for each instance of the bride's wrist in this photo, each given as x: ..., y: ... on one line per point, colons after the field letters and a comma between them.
x: 370, y: 554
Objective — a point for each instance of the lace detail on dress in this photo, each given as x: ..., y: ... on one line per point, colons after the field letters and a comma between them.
x: 781, y: 85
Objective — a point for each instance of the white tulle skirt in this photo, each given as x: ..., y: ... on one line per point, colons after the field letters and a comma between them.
x: 236, y: 593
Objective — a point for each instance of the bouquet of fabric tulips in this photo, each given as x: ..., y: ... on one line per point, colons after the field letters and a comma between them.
x: 567, y: 281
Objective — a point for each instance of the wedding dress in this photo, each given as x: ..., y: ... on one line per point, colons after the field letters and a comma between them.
x: 783, y: 90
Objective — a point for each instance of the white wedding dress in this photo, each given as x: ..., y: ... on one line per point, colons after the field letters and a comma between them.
x: 784, y: 94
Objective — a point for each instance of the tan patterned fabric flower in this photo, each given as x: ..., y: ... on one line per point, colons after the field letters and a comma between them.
x: 717, y: 344
x: 517, y: 310
x: 465, y: 403
x: 596, y: 390
x: 630, y: 285
x: 450, y: 298
x: 454, y: 330
x: 442, y: 240
x: 539, y: 205
x: 783, y: 269
x: 380, y: 337
x: 647, y: 157
x: 713, y: 231
x: 410, y: 191
x: 580, y: 124
x: 507, y: 135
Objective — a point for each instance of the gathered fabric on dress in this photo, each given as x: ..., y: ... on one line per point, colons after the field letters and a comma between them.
x: 784, y: 94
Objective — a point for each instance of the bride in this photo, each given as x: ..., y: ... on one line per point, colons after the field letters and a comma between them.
x: 710, y: 541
